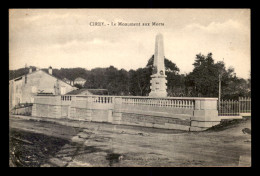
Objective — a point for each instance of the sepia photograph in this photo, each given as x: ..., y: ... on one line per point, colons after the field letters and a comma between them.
x: 130, y: 87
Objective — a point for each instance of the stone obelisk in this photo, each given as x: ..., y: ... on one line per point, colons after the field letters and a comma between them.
x: 158, y: 81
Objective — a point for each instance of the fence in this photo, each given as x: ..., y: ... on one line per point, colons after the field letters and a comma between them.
x: 245, y: 105
x: 234, y: 107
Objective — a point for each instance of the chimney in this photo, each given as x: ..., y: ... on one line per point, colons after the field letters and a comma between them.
x: 50, y: 70
x: 30, y: 70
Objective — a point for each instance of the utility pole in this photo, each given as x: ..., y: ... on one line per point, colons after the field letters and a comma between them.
x: 219, y: 90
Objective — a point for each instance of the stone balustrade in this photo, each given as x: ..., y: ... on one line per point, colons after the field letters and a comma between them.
x: 186, y: 113
x: 176, y: 102
x: 65, y: 98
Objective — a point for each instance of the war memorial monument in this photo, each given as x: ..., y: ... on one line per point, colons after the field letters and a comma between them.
x: 158, y: 82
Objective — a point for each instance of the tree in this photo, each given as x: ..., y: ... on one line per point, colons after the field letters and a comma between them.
x: 169, y: 65
x: 19, y: 72
x: 204, y: 79
x: 96, y: 79
x: 116, y: 81
x: 140, y: 81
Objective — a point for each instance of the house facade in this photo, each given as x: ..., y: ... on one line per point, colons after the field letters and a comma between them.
x: 24, y: 88
x: 79, y: 81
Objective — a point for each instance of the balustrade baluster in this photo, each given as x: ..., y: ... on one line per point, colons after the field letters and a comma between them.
x: 237, y: 107
x: 228, y: 106
x: 249, y: 110
x: 246, y: 100
x: 232, y: 107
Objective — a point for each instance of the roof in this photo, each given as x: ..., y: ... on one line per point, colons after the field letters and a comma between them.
x: 79, y: 79
x: 78, y: 92
x: 88, y: 92
x: 19, y: 77
x: 98, y: 91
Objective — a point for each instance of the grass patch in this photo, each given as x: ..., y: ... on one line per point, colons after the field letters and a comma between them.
x: 36, y: 151
x: 226, y: 124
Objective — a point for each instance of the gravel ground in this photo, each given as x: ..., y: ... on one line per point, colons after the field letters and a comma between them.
x: 77, y: 144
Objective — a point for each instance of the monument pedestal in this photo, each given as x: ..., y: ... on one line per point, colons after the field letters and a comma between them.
x: 158, y: 86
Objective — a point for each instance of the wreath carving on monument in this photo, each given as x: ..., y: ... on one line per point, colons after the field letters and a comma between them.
x: 161, y: 72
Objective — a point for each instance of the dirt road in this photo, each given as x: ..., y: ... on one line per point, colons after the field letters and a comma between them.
x: 46, y: 144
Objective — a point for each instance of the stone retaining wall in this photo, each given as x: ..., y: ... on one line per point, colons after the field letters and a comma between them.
x: 92, y: 108
x: 22, y: 111
x: 155, y: 121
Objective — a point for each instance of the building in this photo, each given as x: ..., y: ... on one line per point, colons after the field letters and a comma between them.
x: 79, y: 81
x: 24, y: 88
x: 88, y: 92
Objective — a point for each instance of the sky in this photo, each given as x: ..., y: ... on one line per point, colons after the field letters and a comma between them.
x: 66, y: 38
